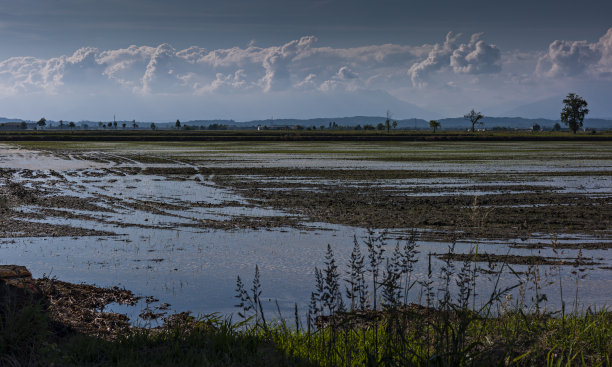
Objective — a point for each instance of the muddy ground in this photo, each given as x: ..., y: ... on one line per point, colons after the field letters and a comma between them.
x: 360, y: 198
x: 80, y: 307
x: 520, y: 260
x: 514, y: 211
x: 16, y: 223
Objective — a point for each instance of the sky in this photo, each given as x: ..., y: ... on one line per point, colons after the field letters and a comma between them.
x: 160, y: 60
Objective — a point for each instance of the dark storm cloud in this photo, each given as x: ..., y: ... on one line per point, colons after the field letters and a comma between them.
x: 42, y: 26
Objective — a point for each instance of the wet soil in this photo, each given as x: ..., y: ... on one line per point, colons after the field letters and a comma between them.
x: 80, y: 307
x: 460, y: 216
x: 11, y: 228
x: 519, y: 260
x: 364, y: 174
x: 335, y: 174
x: 36, y: 191
x: 360, y: 198
x: 16, y: 223
x: 563, y: 245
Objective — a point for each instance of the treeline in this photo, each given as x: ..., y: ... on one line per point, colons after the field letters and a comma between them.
x: 290, y: 135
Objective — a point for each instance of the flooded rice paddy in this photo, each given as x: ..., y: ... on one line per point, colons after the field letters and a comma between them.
x: 179, y: 221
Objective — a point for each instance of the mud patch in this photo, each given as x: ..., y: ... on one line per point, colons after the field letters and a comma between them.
x: 81, y: 306
x: 13, y: 227
x: 518, y: 259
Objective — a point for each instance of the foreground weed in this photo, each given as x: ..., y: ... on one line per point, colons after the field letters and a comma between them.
x: 446, y: 327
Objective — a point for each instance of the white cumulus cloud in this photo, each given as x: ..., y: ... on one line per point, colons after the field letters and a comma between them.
x: 574, y: 58
x: 474, y: 57
x: 296, y: 65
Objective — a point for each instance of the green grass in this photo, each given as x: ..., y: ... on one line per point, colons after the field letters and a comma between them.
x: 452, y: 151
x: 517, y: 339
x: 522, y: 340
x: 295, y: 135
x: 29, y: 338
x: 205, y: 344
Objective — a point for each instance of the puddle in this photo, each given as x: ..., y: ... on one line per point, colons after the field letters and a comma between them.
x: 30, y: 159
x: 197, y: 271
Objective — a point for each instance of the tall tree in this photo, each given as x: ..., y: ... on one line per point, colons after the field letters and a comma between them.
x: 573, y: 112
x: 434, y: 125
x: 474, y: 117
x: 178, y: 124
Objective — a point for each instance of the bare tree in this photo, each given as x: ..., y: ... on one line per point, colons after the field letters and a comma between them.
x: 474, y: 118
x: 388, y: 120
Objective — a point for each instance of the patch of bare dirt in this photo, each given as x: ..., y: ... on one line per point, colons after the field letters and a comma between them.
x: 490, y: 216
x: 519, y: 260
x: 81, y: 306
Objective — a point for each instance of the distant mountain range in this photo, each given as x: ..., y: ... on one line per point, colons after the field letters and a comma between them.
x: 599, y: 105
x: 455, y: 123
